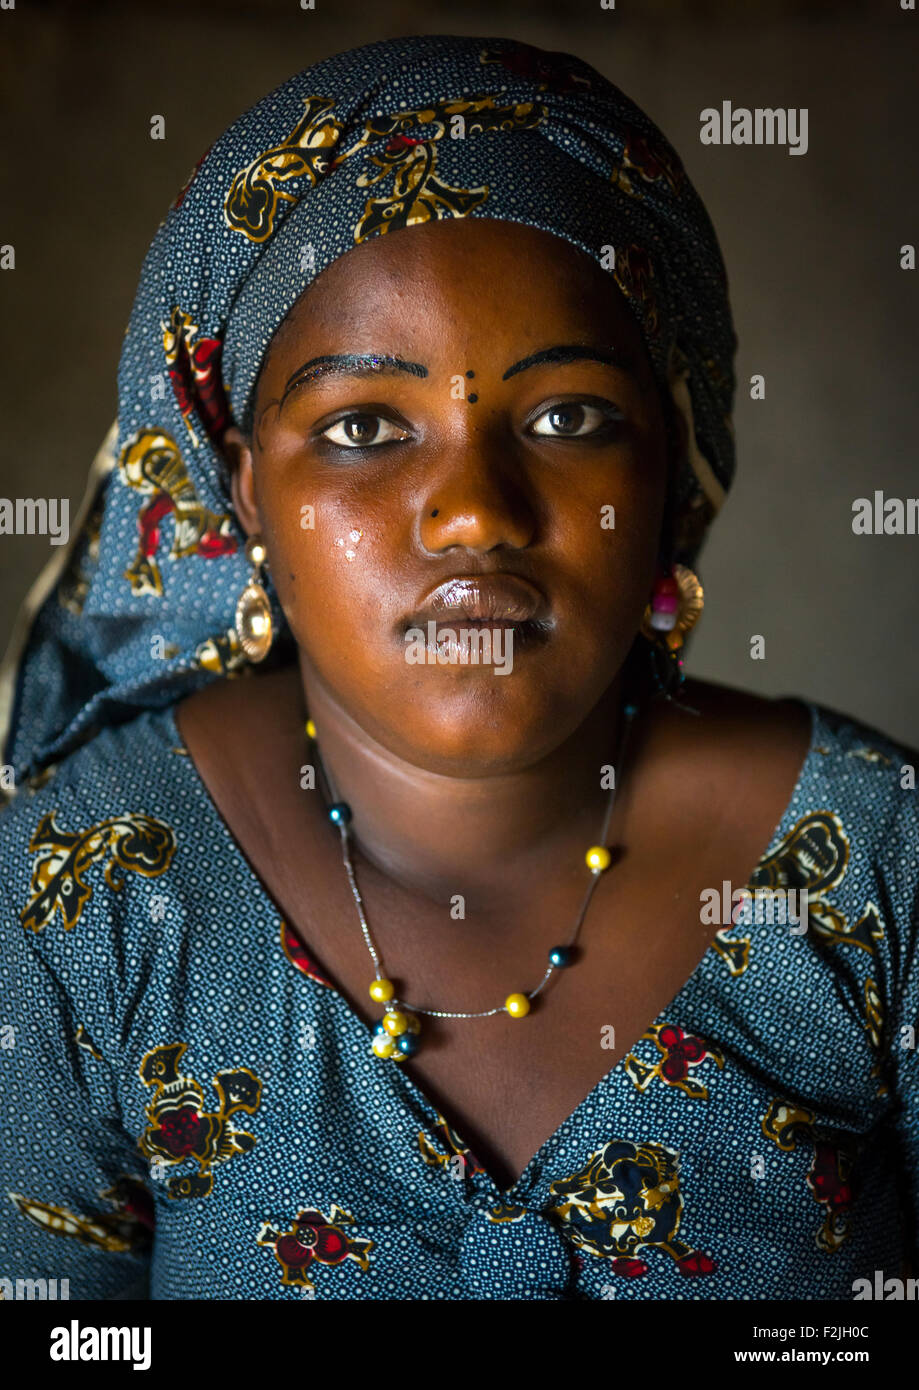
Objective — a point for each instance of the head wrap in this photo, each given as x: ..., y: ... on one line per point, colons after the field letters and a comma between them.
x: 138, y: 610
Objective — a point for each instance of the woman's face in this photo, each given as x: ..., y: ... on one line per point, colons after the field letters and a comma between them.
x: 501, y: 451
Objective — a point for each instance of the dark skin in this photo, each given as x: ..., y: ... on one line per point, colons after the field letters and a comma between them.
x: 462, y: 782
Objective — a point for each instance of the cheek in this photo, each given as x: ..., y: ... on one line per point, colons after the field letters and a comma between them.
x: 324, y: 560
x: 609, y: 540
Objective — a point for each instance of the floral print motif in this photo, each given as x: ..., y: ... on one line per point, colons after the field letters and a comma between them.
x: 814, y: 855
x: 151, y: 464
x: 457, y: 1158
x: 556, y: 72
x: 830, y: 1176
x: 650, y: 160
x: 194, y: 370
x: 252, y: 199
x: 634, y: 274
x: 128, y: 1227
x: 678, y: 1052
x: 314, y: 1239
x: 624, y: 1200
x: 734, y: 951
x: 137, y: 843
x: 180, y: 1127
x: 643, y: 1192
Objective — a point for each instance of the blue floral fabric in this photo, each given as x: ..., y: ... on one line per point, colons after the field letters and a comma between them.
x: 189, y: 1103
x: 367, y: 143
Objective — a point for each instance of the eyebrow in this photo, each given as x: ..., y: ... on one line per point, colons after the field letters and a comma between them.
x: 573, y: 352
x: 374, y: 363
x: 350, y: 364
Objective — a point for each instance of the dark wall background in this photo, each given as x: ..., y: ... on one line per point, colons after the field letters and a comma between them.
x: 812, y: 242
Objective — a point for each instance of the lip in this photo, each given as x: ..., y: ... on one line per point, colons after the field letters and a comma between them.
x: 487, y: 598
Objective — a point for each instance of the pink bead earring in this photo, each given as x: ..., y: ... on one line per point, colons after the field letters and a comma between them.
x: 676, y: 603
x: 665, y: 603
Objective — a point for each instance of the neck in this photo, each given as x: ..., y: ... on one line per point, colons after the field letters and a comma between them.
x: 487, y: 838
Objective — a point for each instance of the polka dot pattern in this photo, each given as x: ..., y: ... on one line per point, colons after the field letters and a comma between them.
x: 212, y: 1122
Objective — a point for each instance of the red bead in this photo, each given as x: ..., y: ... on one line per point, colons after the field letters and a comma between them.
x: 666, y: 585
x: 665, y: 603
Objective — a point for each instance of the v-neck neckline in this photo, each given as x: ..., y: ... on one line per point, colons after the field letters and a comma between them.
x: 398, y: 1075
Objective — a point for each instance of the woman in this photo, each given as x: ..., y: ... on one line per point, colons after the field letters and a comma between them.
x: 425, y: 961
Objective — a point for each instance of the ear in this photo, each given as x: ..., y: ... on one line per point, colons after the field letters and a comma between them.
x: 237, y: 451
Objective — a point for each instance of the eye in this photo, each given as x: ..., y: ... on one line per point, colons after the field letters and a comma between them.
x: 575, y: 419
x: 358, y: 431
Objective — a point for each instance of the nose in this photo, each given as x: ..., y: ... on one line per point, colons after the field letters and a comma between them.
x: 478, y: 501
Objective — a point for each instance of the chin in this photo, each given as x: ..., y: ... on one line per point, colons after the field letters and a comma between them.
x: 483, y: 729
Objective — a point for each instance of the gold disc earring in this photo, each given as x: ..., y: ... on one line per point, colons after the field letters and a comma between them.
x: 675, y: 607
x: 253, y: 611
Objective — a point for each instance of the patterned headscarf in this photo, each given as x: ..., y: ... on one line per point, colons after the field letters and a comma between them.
x: 138, y: 610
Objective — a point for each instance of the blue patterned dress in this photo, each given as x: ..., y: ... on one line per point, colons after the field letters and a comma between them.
x: 212, y: 1124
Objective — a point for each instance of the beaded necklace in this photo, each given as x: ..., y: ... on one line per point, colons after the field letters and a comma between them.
x: 396, y: 1035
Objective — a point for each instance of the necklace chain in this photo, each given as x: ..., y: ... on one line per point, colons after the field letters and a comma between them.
x: 629, y: 711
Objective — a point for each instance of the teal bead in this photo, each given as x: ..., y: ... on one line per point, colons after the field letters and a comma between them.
x: 630, y: 711
x: 560, y: 956
x: 340, y: 813
x: 407, y: 1043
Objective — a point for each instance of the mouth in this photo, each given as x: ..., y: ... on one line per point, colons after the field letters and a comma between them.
x: 495, y: 598
x: 503, y: 605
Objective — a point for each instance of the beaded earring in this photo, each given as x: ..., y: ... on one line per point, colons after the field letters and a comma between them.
x: 676, y: 603
x: 253, y: 611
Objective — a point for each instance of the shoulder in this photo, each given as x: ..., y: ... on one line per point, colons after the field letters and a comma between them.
x: 126, y: 759
x: 833, y: 749
x: 235, y: 712
x: 242, y: 735
x: 734, y: 729
x: 866, y: 746
x: 871, y: 781
x: 850, y: 837
x: 850, y: 791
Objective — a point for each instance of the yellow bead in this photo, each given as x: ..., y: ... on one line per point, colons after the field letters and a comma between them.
x: 598, y: 859
x: 414, y: 1024
x: 383, y: 1046
x: 395, y: 1023
x: 381, y: 990
x: 517, y: 1005
x: 310, y: 729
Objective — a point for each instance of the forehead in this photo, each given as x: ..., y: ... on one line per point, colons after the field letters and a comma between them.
x: 462, y: 274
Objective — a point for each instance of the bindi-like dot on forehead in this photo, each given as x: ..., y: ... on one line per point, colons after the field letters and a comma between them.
x: 472, y: 398
x: 435, y: 511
